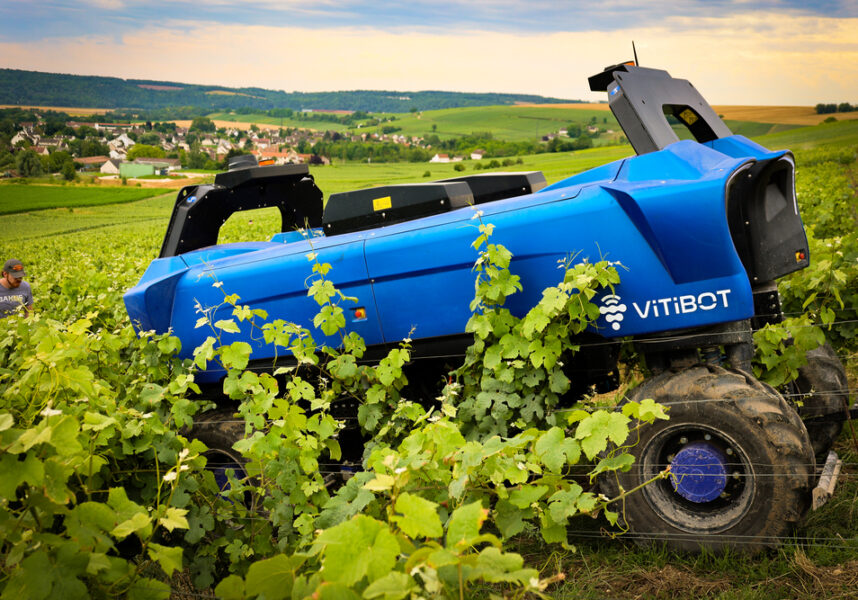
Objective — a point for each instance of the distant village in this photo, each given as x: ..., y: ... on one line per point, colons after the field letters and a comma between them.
x: 277, y: 146
x: 214, y: 147
x: 131, y: 150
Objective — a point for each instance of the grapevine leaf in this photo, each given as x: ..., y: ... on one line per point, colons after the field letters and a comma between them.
x: 236, y: 355
x: 170, y: 558
x: 64, y: 436
x: 97, y: 562
x: 419, y: 516
x: 145, y: 588
x: 587, y: 502
x: 496, y: 566
x: 138, y: 522
x: 16, y: 472
x: 510, y: 519
x: 465, y: 523
x: 620, y: 462
x: 562, y: 504
x: 393, y: 586
x: 335, y: 591
x: 32, y: 580
x: 231, y: 588
x: 480, y: 325
x: 381, y: 483
x: 6, y: 421
x: 175, y: 519
x: 595, y: 431
x: 227, y: 325
x: 527, y: 495
x: 204, y: 352
x: 358, y: 548
x: 271, y: 578
x: 647, y: 410
x: 550, y: 449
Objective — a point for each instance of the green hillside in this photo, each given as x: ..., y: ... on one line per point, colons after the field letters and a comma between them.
x: 33, y: 88
x: 840, y: 133
x: 508, y: 123
x: 512, y: 123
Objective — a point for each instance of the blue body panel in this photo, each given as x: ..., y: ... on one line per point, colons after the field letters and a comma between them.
x: 661, y: 215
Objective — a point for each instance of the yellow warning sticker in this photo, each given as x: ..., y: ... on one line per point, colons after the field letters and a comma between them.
x: 688, y: 117
x: 381, y: 203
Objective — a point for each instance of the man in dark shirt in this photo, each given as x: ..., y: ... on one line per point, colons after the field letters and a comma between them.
x: 15, y: 293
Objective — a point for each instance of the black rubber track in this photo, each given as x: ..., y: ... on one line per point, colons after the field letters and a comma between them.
x: 825, y: 391
x: 771, y: 471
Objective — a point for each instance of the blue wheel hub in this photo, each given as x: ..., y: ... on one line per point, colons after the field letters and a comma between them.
x: 698, y: 472
x: 221, y: 478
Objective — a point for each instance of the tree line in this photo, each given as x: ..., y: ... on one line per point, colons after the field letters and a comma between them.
x: 19, y: 87
x: 824, y: 109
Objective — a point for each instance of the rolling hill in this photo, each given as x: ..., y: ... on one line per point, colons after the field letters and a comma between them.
x: 34, y: 88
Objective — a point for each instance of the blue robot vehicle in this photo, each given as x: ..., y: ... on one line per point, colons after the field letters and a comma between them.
x: 703, y: 226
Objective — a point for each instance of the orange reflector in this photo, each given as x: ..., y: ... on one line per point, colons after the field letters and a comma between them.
x: 800, y: 256
x: 360, y: 313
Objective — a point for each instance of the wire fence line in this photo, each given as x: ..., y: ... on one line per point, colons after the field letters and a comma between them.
x: 334, y: 467
x: 669, y: 403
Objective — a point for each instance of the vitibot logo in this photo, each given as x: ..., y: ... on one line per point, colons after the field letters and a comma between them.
x: 613, y: 310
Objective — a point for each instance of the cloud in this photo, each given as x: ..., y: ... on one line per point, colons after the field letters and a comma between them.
x: 36, y: 20
x: 113, y: 5
x: 748, y: 59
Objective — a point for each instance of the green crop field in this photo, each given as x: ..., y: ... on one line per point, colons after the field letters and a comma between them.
x: 340, y: 177
x: 509, y: 123
x: 839, y: 134
x: 331, y: 179
x: 16, y: 198
x: 512, y: 123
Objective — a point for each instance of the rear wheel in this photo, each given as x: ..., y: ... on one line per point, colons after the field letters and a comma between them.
x: 219, y: 430
x: 824, y: 390
x: 740, y: 459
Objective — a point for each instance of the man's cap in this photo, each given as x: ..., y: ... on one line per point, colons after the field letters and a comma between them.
x: 15, y: 268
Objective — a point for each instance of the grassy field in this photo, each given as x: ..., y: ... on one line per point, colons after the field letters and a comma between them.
x: 15, y: 198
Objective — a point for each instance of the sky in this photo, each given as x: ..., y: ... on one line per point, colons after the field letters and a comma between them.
x: 757, y: 52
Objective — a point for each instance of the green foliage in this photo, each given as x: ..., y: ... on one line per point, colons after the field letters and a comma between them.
x: 91, y: 458
x: 203, y: 124
x: 103, y: 496
x: 828, y: 289
x: 781, y: 349
x: 145, y: 151
x: 513, y: 374
x: 414, y: 519
x: 28, y: 163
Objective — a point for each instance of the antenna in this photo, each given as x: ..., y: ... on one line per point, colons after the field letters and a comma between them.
x: 635, y: 52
